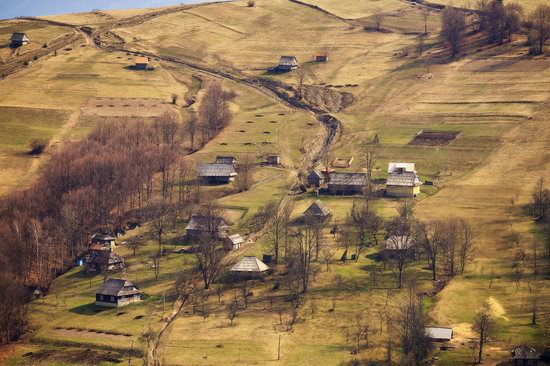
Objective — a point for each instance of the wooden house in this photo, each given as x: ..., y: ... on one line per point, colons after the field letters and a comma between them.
x: 203, y: 226
x: 525, y: 356
x: 402, y: 180
x: 347, y: 183
x: 400, y: 245
x: 114, y: 293
x: 273, y: 160
x: 106, y: 261
x: 19, y: 39
x: 141, y: 63
x: 103, y: 239
x: 315, y: 179
x: 221, y: 159
x: 287, y: 63
x: 317, y: 211
x: 439, y: 334
x: 234, y: 242
x: 215, y: 173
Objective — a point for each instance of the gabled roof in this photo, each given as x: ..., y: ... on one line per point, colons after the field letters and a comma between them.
x: 249, y: 264
x: 116, y: 287
x: 408, y: 167
x: 404, y: 179
x: 19, y: 37
x: 99, y: 246
x: 525, y: 352
x: 315, y: 174
x: 236, y: 239
x: 442, y: 333
x: 103, y: 237
x: 215, y: 170
x: 399, y: 242
x: 108, y: 258
x: 348, y: 179
x: 142, y: 60
x: 220, y: 159
x: 288, y: 61
x: 203, y: 223
x: 317, y: 208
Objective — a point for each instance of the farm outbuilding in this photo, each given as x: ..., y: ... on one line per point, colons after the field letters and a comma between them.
x: 249, y: 265
x: 347, y: 183
x: 317, y: 211
x: 216, y: 173
x: 141, y: 63
x: 115, y: 292
x: 234, y: 242
x: 320, y: 58
x: 439, y: 334
x: 315, y: 179
x: 103, y: 239
x: 204, y: 226
x: 106, y: 261
x: 19, y: 39
x: 273, y: 160
x: 344, y: 162
x: 224, y: 159
x: 402, y: 180
x: 287, y: 63
x: 525, y: 356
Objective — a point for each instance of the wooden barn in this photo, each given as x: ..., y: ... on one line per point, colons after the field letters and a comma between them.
x: 320, y: 58
x: 402, y: 180
x: 317, y: 211
x: 234, y: 242
x: 226, y: 159
x: 315, y: 179
x: 439, y: 334
x: 114, y: 293
x: 141, y: 63
x: 525, y: 356
x: 287, y: 63
x: 347, y: 183
x: 103, y: 239
x: 215, y: 173
x: 203, y: 226
x: 273, y: 160
x: 19, y: 39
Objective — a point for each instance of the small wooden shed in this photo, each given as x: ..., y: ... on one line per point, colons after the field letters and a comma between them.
x: 317, y: 211
x: 287, y: 63
x: 315, y: 178
x: 320, y: 58
x: 202, y: 226
x: 141, y: 63
x: 273, y: 160
x: 234, y: 242
x: 19, y: 39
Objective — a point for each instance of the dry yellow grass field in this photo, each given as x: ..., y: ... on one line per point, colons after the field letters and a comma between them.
x: 496, y: 96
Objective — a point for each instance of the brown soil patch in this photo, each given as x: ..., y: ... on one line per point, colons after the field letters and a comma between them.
x: 73, y: 356
x: 124, y: 107
x: 328, y: 99
x: 88, y: 334
x: 434, y: 138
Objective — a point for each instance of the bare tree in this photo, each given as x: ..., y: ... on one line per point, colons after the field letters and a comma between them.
x: 484, y: 326
x: 327, y: 159
x: 420, y: 44
x: 358, y: 333
x: 371, y: 157
x: 400, y: 249
x: 337, y: 283
x: 303, y: 253
x: 378, y: 18
x: 303, y: 73
x: 466, y: 245
x: 327, y: 256
x: 214, y: 112
x: 209, y: 258
x: 134, y: 245
x: 191, y: 127
x: 540, y: 31
x: 432, y: 238
x: 452, y: 28
x: 425, y: 16
x: 246, y: 169
x: 232, y: 310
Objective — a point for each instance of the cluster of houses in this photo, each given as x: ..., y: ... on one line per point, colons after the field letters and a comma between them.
x: 402, y: 181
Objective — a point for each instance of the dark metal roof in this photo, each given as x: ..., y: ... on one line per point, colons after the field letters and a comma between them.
x: 225, y: 159
x: 315, y: 174
x: 19, y: 37
x: 203, y: 223
x: 525, y: 353
x: 348, y: 179
x: 288, y: 61
x: 215, y: 170
x: 117, y: 287
x: 317, y: 208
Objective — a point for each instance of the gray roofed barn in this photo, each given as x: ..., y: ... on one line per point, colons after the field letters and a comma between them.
x: 317, y: 210
x: 347, y: 183
x: 199, y: 225
x: 525, y: 356
x: 19, y: 39
x: 439, y: 334
x: 216, y: 173
x: 288, y: 63
x: 249, y: 265
x: 117, y: 292
x: 221, y: 159
x: 235, y: 241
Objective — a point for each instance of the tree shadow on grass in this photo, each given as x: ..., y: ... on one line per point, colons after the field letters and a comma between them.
x: 87, y: 309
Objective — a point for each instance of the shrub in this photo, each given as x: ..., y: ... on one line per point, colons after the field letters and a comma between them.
x: 174, y: 98
x: 37, y: 146
x: 251, y: 3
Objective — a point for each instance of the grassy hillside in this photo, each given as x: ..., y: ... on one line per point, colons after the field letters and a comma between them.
x: 495, y: 96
